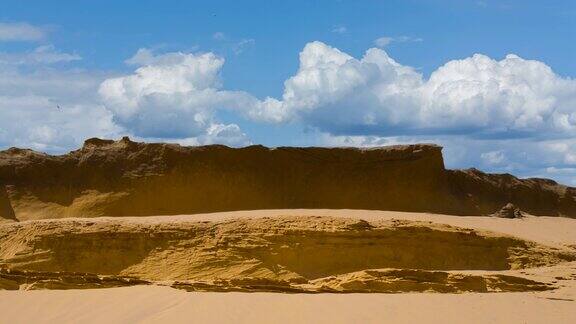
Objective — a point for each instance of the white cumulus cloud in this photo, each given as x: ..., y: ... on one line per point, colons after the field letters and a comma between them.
x: 29, y: 113
x: 375, y: 95
x: 31, y: 92
x: 173, y: 95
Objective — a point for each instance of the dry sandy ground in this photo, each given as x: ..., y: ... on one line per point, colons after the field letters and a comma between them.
x: 547, y: 230
x: 166, y: 305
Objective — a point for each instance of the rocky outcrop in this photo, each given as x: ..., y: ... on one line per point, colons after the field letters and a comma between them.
x: 486, y: 193
x: 119, y: 178
x: 378, y: 281
x: 509, y: 211
x: 35, y: 280
x: 280, y: 253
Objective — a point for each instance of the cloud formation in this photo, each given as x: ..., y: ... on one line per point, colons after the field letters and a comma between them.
x: 340, y: 29
x: 387, y: 40
x: 45, y: 54
x: 510, y: 115
x: 21, y: 31
x: 476, y: 97
x: 29, y: 113
x: 173, y: 96
x: 242, y: 45
x: 237, y: 46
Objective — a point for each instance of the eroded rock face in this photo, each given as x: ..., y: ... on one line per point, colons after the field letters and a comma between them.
x: 6, y: 211
x: 282, y: 253
x: 287, y: 247
x: 120, y: 178
x: 489, y: 192
x: 37, y: 280
x: 378, y: 281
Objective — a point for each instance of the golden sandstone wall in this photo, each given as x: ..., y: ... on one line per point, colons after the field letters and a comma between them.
x: 125, y: 178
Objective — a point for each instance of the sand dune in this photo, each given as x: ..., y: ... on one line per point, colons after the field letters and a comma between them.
x: 441, y: 268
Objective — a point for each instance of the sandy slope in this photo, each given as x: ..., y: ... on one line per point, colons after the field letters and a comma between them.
x: 542, y: 229
x: 164, y: 304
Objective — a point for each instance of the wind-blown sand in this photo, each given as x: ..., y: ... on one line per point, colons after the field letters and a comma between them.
x: 542, y: 229
x: 165, y: 304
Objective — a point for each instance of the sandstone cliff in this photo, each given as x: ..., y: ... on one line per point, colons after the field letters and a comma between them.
x: 279, y: 253
x: 119, y: 178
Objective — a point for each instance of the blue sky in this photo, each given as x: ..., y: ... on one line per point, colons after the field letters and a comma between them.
x: 319, y: 73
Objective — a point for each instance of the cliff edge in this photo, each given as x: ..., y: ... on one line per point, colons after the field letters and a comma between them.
x: 126, y: 178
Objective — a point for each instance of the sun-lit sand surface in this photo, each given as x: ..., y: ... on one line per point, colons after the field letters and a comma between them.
x: 542, y: 229
x: 166, y: 305
x: 156, y: 304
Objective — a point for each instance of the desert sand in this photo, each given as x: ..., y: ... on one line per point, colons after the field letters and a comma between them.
x: 536, y: 282
x: 165, y: 305
x: 120, y: 231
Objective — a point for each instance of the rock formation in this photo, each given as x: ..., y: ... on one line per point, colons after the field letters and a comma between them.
x: 280, y: 253
x: 509, y: 211
x: 120, y: 178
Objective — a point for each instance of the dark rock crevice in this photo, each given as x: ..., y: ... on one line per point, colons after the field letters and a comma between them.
x: 6, y: 210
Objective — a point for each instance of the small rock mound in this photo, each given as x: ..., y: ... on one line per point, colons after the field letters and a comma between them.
x: 509, y: 211
x: 360, y: 225
x: 97, y: 142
